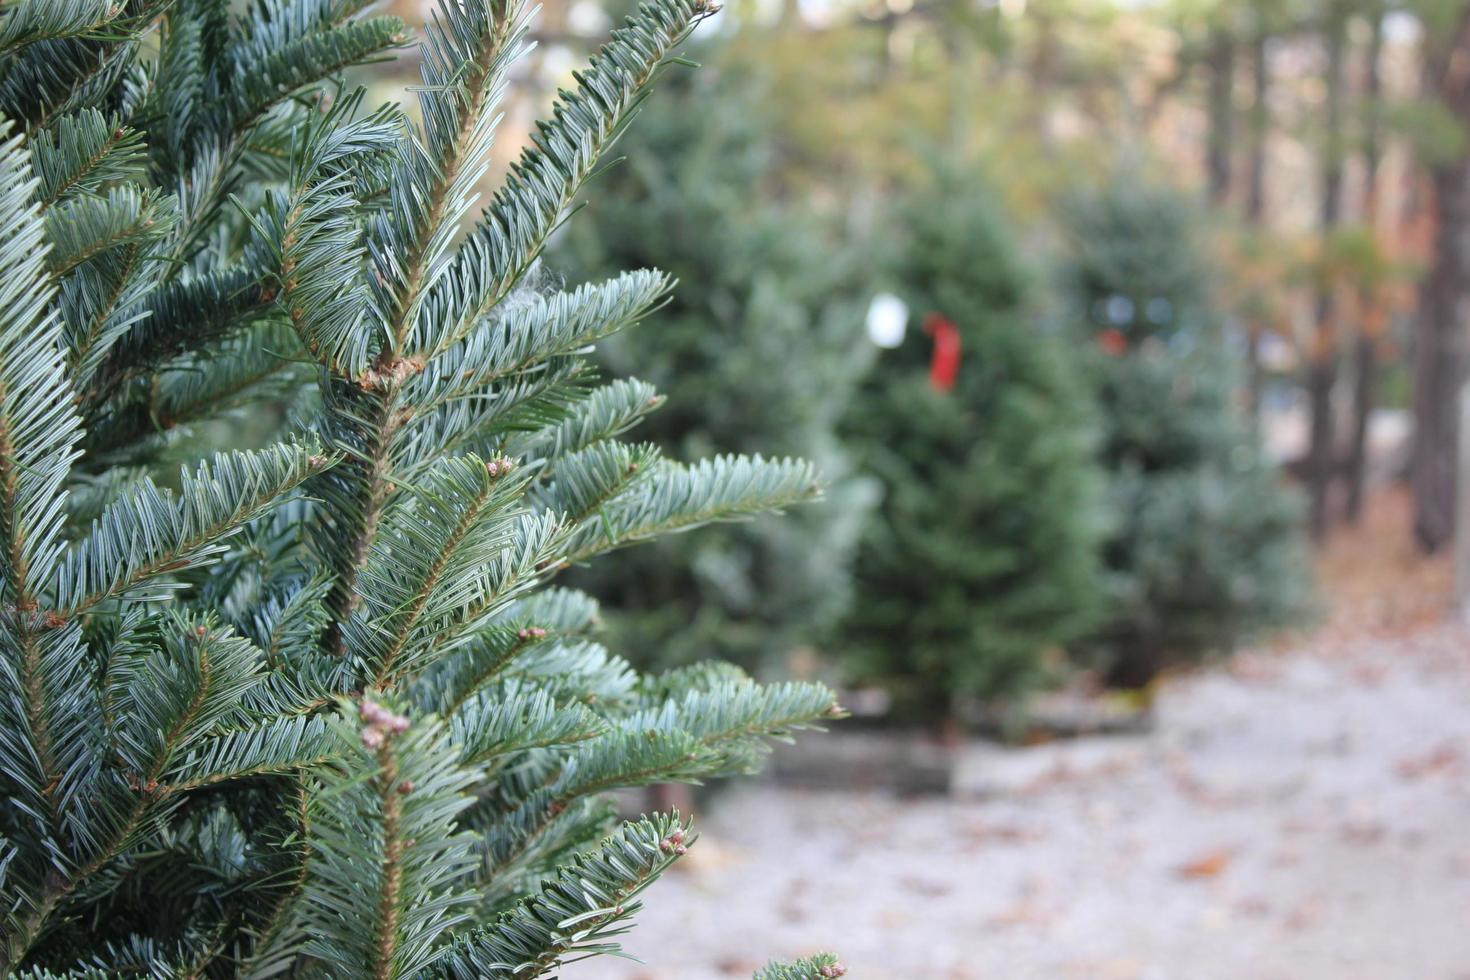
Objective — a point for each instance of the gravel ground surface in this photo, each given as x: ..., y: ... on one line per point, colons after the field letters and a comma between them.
x: 1297, y: 816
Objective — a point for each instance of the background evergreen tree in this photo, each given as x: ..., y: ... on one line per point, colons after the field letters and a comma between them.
x: 316, y: 709
x: 1206, y: 546
x: 982, y: 557
x: 758, y: 352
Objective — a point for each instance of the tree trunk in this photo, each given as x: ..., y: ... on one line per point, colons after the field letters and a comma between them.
x: 1255, y: 374
x: 1222, y: 114
x: 1365, y: 386
x: 1322, y: 371
x: 1260, y: 126
x: 1444, y: 304
x: 1372, y: 130
x: 1439, y: 359
x: 1365, y: 377
x: 1321, y: 378
x: 1255, y: 197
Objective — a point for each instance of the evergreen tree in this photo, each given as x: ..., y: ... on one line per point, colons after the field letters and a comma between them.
x: 758, y: 352
x: 1206, y: 547
x: 983, y: 556
x: 316, y: 709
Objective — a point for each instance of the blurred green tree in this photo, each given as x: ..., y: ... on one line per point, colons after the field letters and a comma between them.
x: 984, y: 554
x: 1206, y: 548
x: 765, y: 338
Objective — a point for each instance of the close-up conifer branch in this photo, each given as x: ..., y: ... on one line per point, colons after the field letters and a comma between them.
x: 315, y: 705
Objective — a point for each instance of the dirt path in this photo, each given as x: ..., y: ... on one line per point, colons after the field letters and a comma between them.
x: 1303, y: 814
x: 1296, y: 817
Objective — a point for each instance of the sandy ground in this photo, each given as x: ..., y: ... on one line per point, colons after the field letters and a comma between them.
x: 1296, y: 816
x: 1301, y: 814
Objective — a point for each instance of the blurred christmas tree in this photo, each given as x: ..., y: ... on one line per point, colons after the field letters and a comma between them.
x: 766, y: 340
x: 1206, y: 547
x: 984, y: 554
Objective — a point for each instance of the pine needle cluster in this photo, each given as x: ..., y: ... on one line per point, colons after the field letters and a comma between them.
x: 320, y: 708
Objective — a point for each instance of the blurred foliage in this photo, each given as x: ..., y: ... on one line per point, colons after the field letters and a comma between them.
x: 849, y: 102
x: 1433, y: 129
x: 758, y: 349
x: 1256, y: 275
x: 1135, y: 264
x: 1206, y: 550
x: 860, y: 100
x: 982, y: 557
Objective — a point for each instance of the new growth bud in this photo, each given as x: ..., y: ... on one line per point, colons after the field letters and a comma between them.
x: 380, y: 724
x: 499, y: 466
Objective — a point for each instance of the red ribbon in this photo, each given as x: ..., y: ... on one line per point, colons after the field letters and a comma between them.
x: 944, y: 365
x: 1112, y: 342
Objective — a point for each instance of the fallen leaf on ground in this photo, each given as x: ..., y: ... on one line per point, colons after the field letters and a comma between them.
x: 1442, y: 759
x: 1207, y: 865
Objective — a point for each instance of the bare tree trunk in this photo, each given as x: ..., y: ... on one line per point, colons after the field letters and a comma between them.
x: 1255, y: 195
x: 1365, y: 389
x: 1444, y: 306
x: 1461, y: 560
x: 1365, y: 377
x: 1322, y: 371
x: 1260, y: 123
x: 1321, y: 379
x: 1439, y: 359
x: 1221, y: 114
x: 1255, y: 373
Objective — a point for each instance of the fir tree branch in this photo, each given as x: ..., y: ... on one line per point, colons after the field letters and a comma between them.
x: 514, y: 569
x: 38, y: 428
x: 550, y: 616
x: 273, y: 945
x: 184, y: 315
x: 30, y: 21
x: 585, y: 901
x: 607, y: 412
x: 679, y: 497
x: 88, y: 344
x: 390, y: 801
x: 277, y: 746
x: 307, y: 62
x: 584, y: 482
x: 538, y: 330
x: 580, y: 670
x: 517, y: 716
x: 708, y: 731
x: 466, y: 57
x: 38, y: 434
x: 51, y: 78
x: 389, y: 872
x: 550, y: 173
x: 84, y: 227
x: 169, y: 698
x: 823, y: 966
x: 247, y: 370
x: 82, y: 152
x: 214, y: 502
x: 430, y: 558
x: 314, y: 232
